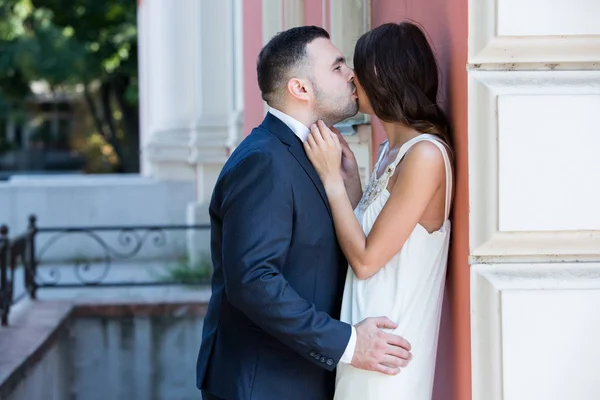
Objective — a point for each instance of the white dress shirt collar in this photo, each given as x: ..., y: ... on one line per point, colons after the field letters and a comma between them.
x: 296, y: 126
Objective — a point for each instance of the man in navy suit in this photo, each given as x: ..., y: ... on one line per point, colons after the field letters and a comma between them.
x: 272, y: 328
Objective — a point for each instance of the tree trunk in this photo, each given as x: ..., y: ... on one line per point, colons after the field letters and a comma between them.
x: 130, y: 121
x: 123, y: 137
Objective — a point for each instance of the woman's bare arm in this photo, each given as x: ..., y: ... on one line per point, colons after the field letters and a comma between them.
x: 420, y: 177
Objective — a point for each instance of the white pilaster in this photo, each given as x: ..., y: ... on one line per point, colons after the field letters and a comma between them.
x: 190, y: 100
x: 279, y: 15
x: 191, y: 95
x: 360, y: 142
x: 348, y: 21
x: 534, y: 73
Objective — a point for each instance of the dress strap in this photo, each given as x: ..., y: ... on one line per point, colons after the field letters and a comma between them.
x: 382, y: 150
x: 439, y: 144
x: 401, y: 153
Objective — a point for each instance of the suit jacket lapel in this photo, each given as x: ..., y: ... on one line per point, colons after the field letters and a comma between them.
x: 298, y: 152
x: 285, y: 134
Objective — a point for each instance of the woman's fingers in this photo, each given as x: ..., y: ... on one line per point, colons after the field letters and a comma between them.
x: 325, y: 132
x: 316, y: 134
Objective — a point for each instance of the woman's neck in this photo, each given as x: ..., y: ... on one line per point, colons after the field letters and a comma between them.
x: 398, y: 134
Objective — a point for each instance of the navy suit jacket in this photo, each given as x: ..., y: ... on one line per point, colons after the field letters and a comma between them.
x: 272, y: 329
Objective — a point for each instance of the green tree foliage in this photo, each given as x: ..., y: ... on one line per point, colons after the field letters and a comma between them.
x: 91, y: 44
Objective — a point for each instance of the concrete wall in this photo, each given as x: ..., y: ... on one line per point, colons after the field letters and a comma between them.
x: 135, y: 357
x: 97, y: 200
x: 120, y: 358
x: 50, y: 378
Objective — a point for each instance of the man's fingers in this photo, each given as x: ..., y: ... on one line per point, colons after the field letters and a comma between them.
x: 398, y: 353
x: 397, y: 341
x: 385, y: 322
x: 346, y: 152
x: 393, y: 362
x: 387, y: 370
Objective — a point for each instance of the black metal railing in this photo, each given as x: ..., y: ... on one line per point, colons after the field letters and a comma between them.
x: 13, y: 252
x: 6, y: 292
x: 88, y: 271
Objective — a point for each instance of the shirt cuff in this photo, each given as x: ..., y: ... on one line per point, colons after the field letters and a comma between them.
x: 349, y: 352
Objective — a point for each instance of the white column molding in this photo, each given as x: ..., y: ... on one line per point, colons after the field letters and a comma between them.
x: 532, y: 150
x: 191, y: 94
x: 522, y: 314
x: 293, y: 13
x: 219, y: 99
x: 189, y: 85
x: 348, y: 21
x: 360, y: 143
x: 272, y: 19
x: 534, y: 92
x: 520, y: 32
x: 279, y: 15
x: 143, y: 25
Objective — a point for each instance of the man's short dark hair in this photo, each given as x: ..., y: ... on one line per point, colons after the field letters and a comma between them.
x: 284, y: 52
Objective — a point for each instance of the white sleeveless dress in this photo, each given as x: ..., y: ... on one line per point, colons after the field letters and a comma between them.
x: 408, y: 289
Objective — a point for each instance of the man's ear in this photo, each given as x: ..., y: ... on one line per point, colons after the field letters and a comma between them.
x: 299, y: 88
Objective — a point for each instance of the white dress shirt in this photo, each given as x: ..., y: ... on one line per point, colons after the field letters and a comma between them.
x: 302, y: 132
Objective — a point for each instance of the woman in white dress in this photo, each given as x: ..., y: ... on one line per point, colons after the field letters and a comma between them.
x: 396, y: 238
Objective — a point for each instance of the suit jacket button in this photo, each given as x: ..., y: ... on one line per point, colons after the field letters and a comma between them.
x: 329, y: 362
x: 317, y: 356
x: 323, y: 359
x: 312, y: 353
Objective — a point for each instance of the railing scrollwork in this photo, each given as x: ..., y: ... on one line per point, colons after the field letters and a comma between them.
x: 127, y: 242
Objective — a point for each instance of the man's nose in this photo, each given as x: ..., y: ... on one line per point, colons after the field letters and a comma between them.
x: 351, y: 75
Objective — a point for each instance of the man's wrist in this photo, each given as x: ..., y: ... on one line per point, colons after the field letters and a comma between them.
x: 349, y: 352
x: 350, y: 172
x: 351, y: 177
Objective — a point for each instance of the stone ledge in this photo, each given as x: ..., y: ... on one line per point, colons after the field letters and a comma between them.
x: 139, y: 309
x: 27, y: 339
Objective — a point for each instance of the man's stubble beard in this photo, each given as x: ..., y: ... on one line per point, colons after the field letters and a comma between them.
x: 331, y: 110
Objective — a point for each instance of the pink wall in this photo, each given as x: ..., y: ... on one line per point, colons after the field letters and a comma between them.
x: 313, y: 12
x: 446, y: 23
x: 252, y: 30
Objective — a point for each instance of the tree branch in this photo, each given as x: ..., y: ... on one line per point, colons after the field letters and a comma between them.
x: 107, y: 109
x: 93, y: 110
x: 130, y: 121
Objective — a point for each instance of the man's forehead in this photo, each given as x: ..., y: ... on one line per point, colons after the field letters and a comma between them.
x: 323, y: 50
